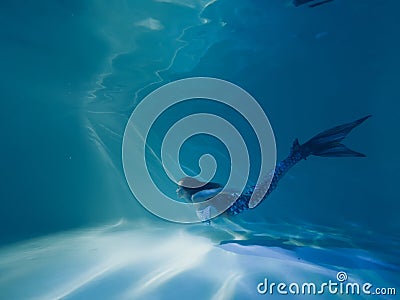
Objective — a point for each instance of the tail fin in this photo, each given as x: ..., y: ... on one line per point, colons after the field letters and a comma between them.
x: 327, y: 143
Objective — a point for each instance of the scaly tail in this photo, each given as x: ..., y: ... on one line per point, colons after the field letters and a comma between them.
x: 326, y: 144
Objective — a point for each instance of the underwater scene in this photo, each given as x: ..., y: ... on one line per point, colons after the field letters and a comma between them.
x: 200, y: 149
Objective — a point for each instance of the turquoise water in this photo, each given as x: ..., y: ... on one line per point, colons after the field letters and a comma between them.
x: 72, y: 75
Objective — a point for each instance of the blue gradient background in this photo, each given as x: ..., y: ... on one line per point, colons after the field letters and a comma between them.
x: 72, y: 72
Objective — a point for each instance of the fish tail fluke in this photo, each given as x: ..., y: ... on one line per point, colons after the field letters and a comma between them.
x: 328, y: 143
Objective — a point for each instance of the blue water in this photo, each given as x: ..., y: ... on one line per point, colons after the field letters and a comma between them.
x: 73, y: 72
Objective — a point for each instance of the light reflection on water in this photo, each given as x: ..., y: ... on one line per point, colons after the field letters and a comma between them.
x: 140, y: 261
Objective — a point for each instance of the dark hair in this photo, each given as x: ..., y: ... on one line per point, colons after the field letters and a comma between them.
x: 192, y: 185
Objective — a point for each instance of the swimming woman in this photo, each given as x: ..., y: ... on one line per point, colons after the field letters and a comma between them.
x: 325, y: 144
